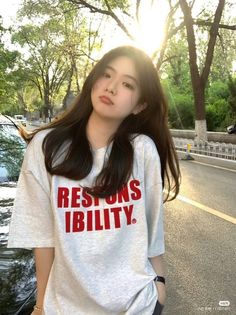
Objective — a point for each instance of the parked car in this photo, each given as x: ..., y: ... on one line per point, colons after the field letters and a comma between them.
x: 20, y: 119
x: 17, y: 269
x: 231, y: 129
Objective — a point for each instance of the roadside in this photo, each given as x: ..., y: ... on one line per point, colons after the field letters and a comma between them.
x: 216, y: 161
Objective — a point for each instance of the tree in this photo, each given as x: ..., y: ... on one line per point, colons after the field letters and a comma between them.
x: 218, y: 111
x: 199, y: 79
x: 46, y: 65
x: 177, y: 85
x: 107, y: 7
x: 225, y: 53
x: 8, y: 76
x: 58, y: 47
x: 125, y: 13
x: 199, y: 73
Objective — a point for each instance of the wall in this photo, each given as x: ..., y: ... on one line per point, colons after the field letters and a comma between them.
x: 211, y: 136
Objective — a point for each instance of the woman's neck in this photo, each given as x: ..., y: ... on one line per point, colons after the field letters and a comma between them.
x: 99, y: 131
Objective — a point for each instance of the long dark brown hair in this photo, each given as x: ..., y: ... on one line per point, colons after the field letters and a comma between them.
x: 151, y: 121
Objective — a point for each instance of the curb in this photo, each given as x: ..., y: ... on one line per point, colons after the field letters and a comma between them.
x: 229, y: 164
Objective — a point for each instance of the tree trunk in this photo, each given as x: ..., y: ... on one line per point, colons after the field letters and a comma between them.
x: 47, y: 106
x: 68, y: 90
x: 201, y: 130
x: 199, y: 81
x: 200, y: 113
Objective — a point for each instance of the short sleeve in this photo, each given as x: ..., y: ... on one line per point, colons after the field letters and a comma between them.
x: 32, y: 217
x: 154, y: 200
x: 154, y: 208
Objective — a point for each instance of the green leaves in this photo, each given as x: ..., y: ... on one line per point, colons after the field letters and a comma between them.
x: 59, y: 42
x: 8, y: 75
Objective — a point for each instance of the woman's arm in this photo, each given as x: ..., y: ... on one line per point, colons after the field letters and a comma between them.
x: 43, y: 261
x: 159, y: 267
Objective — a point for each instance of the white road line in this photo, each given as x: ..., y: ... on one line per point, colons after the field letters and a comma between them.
x: 207, y: 209
x: 215, y: 166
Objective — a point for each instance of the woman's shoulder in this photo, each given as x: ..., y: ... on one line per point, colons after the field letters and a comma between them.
x: 145, y: 148
x: 34, y: 156
x: 34, y: 148
x: 40, y: 136
x: 144, y: 142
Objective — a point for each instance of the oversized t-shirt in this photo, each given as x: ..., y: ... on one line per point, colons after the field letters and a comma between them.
x: 102, y: 246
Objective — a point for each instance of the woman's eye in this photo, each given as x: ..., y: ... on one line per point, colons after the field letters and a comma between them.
x: 106, y: 75
x: 128, y: 85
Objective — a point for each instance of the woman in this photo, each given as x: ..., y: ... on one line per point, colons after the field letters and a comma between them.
x: 89, y: 198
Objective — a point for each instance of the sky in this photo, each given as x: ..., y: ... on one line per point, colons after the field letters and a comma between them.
x: 8, y: 10
x: 144, y: 38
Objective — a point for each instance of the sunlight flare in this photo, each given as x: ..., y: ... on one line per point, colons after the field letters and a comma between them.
x: 149, y: 31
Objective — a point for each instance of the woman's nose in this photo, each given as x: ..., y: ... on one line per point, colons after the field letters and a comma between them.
x: 111, y: 88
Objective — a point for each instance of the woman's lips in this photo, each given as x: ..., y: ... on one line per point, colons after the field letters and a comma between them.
x: 106, y: 100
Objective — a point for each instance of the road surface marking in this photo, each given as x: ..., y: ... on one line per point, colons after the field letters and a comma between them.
x: 207, y: 209
x: 215, y: 166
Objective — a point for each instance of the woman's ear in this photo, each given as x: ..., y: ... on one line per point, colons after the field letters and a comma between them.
x: 139, y: 108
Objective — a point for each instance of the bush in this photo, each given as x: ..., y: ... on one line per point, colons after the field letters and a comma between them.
x: 181, y: 113
x: 218, y: 115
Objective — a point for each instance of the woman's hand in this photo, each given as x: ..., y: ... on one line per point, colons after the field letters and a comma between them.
x: 37, y: 311
x: 161, y: 289
x: 159, y: 267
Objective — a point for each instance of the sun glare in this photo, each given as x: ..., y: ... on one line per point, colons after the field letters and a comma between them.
x: 147, y: 32
x: 150, y: 29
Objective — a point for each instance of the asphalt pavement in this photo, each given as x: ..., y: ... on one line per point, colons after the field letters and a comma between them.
x: 200, y: 233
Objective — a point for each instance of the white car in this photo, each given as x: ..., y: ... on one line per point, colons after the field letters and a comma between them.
x: 20, y: 119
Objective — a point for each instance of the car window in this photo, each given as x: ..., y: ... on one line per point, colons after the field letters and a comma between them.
x: 9, y: 129
x: 12, y: 148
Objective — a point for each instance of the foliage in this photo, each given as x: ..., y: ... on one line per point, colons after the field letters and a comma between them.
x: 63, y: 39
x: 225, y: 53
x: 116, y: 11
x: 217, y: 90
x: 181, y: 110
x: 121, y: 4
x: 8, y: 75
x: 177, y: 84
x: 218, y: 111
x: 46, y: 65
x: 59, y: 48
x: 176, y: 65
x: 217, y: 115
x: 232, y: 96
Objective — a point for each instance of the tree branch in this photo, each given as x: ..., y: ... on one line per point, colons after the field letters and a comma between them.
x: 169, y: 59
x: 208, y: 23
x: 167, y: 34
x: 137, y: 9
x: 188, y: 20
x: 211, y: 44
x: 109, y: 12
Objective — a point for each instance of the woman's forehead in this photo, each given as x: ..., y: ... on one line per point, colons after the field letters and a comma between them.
x: 123, y: 66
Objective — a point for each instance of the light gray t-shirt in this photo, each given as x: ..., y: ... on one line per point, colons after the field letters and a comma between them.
x: 102, y: 246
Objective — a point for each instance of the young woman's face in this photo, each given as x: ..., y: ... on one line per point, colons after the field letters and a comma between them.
x: 116, y: 93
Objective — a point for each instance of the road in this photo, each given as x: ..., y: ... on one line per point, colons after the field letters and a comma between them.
x: 200, y: 242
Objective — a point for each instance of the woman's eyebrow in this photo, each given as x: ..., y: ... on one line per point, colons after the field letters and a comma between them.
x: 125, y: 75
